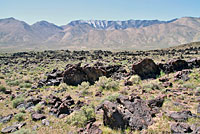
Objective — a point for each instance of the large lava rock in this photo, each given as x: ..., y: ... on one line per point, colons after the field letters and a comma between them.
x: 146, y: 69
x: 76, y: 74
x: 174, y: 65
x: 128, y: 111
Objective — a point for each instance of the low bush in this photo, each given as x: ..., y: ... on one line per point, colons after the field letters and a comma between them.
x: 151, y: 86
x: 17, y: 101
x: 19, y: 117
x: 38, y: 108
x: 63, y: 87
x: 13, y: 83
x: 25, y: 85
x: 24, y: 131
x: 107, y: 84
x: 84, y: 85
x: 135, y: 79
x: 2, y: 88
x: 80, y: 118
x: 111, y: 98
x: 189, y: 85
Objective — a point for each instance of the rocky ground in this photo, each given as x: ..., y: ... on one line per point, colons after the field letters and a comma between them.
x: 98, y: 92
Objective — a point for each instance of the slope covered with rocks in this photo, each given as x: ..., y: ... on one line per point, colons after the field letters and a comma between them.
x: 155, y: 91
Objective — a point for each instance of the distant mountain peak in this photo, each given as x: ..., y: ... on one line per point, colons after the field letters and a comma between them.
x: 104, y: 24
x: 136, y: 34
x: 45, y: 24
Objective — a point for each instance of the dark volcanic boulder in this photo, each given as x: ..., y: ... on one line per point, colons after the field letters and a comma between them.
x: 146, y: 69
x: 91, y: 128
x: 128, y: 111
x: 174, y: 65
x: 61, y: 108
x: 194, y: 63
x: 178, y: 65
x: 156, y: 104
x: 75, y: 75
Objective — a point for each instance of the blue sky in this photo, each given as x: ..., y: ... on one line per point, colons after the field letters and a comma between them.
x: 62, y: 12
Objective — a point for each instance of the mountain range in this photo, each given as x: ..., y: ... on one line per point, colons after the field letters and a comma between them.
x: 99, y: 34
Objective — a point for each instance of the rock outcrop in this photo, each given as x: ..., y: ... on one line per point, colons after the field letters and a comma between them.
x: 129, y: 111
x: 146, y: 69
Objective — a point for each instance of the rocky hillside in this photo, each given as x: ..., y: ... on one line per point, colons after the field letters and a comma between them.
x: 101, y: 92
x: 97, y: 34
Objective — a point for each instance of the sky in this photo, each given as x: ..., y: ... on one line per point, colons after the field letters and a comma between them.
x: 61, y: 12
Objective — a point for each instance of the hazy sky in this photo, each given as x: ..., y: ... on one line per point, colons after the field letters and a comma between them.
x: 61, y: 12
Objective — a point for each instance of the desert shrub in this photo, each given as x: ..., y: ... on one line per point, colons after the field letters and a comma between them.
x: 24, y: 131
x: 17, y: 101
x: 20, y: 116
x: 2, y: 88
x: 25, y: 85
x: 38, y: 108
x: 151, y: 86
x: 107, y: 84
x: 197, y: 89
x: 84, y: 88
x: 80, y: 118
x: 162, y: 73
x: 13, y: 83
x: 135, y: 79
x: 84, y: 85
x: 111, y: 98
x: 22, y: 110
x: 189, y: 85
x: 63, y: 86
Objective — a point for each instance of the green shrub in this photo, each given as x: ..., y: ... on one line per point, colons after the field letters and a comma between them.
x: 197, y: 89
x: 84, y: 88
x: 135, y: 79
x: 38, y: 108
x: 161, y: 74
x: 84, y: 85
x: 13, y: 83
x: 189, y: 85
x: 25, y: 85
x: 2, y: 89
x: 20, y: 116
x: 63, y: 86
x: 80, y: 118
x: 22, y: 110
x: 151, y: 86
x: 107, y: 84
x: 24, y: 131
x: 17, y: 101
x: 111, y: 98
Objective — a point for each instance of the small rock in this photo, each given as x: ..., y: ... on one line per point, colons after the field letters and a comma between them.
x: 180, y: 128
x: 35, y: 127
x: 181, y: 116
x: 13, y: 128
x: 164, y: 79
x: 128, y: 83
x: 198, y: 109
x: 45, y: 122
x: 6, y: 118
x: 37, y: 116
